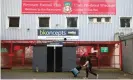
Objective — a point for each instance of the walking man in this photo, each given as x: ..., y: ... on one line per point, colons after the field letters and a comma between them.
x: 88, y: 66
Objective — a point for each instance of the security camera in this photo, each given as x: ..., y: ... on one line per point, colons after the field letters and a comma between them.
x: 65, y: 39
x: 28, y: 29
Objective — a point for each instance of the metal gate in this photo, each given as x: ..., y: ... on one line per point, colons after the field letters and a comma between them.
x: 127, y: 56
x: 39, y: 58
x: 69, y: 58
x: 100, y: 60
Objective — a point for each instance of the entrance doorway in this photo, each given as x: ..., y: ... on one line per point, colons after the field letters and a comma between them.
x: 58, y: 59
x: 50, y: 59
x: 54, y: 58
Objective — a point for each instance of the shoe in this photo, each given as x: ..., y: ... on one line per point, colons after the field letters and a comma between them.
x: 97, y: 76
x: 84, y: 77
x: 75, y: 75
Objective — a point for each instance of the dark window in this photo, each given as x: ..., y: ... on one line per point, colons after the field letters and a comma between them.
x: 107, y: 19
x: 99, y: 19
x: 91, y: 19
x: 13, y: 21
x: 44, y: 22
x: 72, y: 21
x: 125, y: 22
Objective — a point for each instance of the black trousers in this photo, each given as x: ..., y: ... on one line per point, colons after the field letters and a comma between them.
x: 89, y: 70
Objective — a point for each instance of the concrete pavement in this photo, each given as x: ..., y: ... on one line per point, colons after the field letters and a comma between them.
x: 29, y: 74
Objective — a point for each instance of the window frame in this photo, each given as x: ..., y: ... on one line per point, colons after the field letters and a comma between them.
x: 109, y: 21
x: 131, y: 22
x: 8, y: 20
x: 38, y: 27
x: 97, y: 16
x: 77, y: 22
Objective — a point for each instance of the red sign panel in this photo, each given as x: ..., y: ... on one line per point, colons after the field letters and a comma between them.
x: 69, y: 6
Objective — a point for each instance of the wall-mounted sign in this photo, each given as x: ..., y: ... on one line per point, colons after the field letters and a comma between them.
x: 51, y: 34
x: 69, y: 6
x: 104, y: 49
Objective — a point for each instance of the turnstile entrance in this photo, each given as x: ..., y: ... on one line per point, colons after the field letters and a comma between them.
x: 54, y: 58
